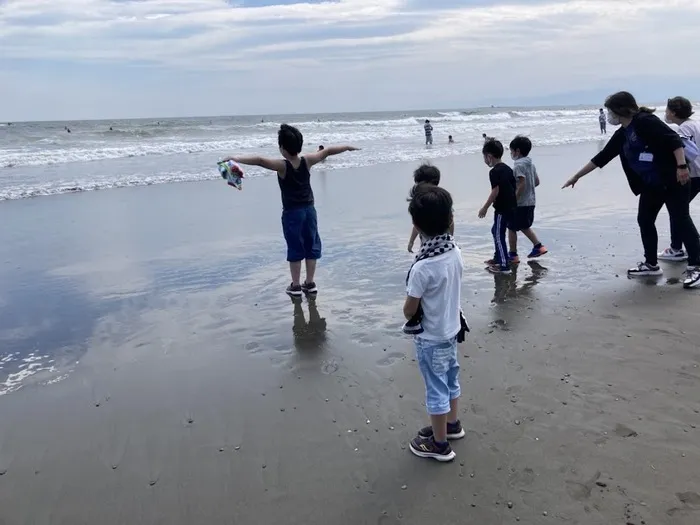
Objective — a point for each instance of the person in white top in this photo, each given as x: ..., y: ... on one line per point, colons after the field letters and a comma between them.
x: 432, y: 308
x: 678, y: 112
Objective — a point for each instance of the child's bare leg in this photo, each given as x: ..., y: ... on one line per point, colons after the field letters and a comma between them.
x: 310, y: 270
x: 453, y: 416
x: 439, y: 424
x: 295, y: 270
x: 530, y: 234
x: 513, y: 241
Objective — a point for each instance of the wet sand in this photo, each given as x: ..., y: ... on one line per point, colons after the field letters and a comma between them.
x: 187, y: 388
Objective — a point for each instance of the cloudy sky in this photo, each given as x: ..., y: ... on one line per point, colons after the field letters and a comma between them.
x: 128, y: 58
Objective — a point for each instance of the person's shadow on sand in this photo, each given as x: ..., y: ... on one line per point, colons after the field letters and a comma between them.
x: 311, y: 335
x: 506, y: 285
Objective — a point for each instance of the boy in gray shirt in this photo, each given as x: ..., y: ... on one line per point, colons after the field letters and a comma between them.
x: 527, y: 180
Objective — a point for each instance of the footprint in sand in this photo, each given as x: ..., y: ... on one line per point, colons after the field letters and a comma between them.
x: 625, y: 431
x: 522, y: 478
x: 582, y: 491
x: 329, y: 367
x: 390, y: 359
x: 690, y: 501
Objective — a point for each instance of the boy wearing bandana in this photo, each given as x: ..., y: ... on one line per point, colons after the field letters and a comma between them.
x: 433, y: 289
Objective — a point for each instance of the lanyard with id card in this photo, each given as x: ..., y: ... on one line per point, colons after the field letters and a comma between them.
x: 646, y: 157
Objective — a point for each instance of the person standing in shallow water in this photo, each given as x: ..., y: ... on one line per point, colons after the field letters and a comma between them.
x: 299, y: 220
x: 428, y: 132
x: 602, y: 121
x: 653, y: 160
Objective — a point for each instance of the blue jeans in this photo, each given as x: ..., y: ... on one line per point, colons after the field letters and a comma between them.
x: 439, y: 367
x: 300, y: 228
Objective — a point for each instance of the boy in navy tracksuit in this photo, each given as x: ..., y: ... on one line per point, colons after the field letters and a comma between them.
x: 504, y: 202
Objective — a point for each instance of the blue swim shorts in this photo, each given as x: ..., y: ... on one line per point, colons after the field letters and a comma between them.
x: 300, y: 228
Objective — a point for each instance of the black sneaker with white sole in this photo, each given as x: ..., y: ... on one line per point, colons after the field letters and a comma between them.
x: 692, y: 277
x: 294, y: 290
x: 309, y: 288
x: 454, y: 431
x: 644, y: 270
x: 428, y: 448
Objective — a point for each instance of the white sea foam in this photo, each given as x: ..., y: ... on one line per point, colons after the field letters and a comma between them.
x: 25, y: 368
x: 140, y: 153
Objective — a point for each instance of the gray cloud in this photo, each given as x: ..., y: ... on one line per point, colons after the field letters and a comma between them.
x: 342, y: 55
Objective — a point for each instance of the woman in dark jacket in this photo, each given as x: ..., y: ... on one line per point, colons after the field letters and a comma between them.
x: 652, y: 157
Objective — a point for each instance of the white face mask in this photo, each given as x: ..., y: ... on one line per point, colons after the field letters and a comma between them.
x: 613, y: 119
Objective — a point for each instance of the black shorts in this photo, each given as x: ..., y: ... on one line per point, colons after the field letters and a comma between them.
x: 522, y: 219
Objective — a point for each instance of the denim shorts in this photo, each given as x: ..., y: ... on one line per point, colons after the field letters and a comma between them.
x: 438, y: 364
x: 300, y: 228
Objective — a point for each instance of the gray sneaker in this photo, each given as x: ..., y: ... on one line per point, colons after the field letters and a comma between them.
x: 692, y: 277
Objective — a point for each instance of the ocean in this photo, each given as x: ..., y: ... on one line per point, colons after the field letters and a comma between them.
x: 42, y: 158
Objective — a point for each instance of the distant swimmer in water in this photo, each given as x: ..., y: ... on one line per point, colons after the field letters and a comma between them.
x: 110, y: 128
x: 67, y: 129
x: 428, y: 132
x: 602, y: 119
x: 450, y: 140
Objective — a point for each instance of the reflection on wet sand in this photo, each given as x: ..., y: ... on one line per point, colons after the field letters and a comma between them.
x: 308, y: 335
x: 506, y: 285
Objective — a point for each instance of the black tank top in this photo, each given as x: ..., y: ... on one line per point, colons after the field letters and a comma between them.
x: 296, y: 186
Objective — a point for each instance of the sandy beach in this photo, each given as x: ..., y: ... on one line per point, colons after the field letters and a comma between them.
x: 180, y: 385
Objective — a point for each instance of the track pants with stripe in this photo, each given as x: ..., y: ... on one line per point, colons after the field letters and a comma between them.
x: 500, y: 225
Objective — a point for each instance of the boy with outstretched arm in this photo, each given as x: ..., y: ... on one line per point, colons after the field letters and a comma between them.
x: 299, y: 220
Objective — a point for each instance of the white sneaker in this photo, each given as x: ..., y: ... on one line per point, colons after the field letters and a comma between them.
x: 644, y: 270
x: 669, y: 254
x: 692, y: 277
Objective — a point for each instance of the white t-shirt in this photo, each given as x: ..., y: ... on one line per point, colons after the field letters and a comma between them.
x: 690, y: 129
x: 437, y: 282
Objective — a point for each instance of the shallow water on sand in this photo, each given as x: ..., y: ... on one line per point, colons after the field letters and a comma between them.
x: 73, y: 264
x: 175, y: 382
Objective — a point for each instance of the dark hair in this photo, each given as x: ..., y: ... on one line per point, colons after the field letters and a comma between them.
x: 601, y: 109
x: 431, y: 209
x: 449, y: 136
x: 523, y: 144
x: 680, y: 107
x: 427, y: 173
x: 493, y: 147
x: 623, y: 104
x: 426, y: 121
x: 483, y: 135
x: 290, y: 139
